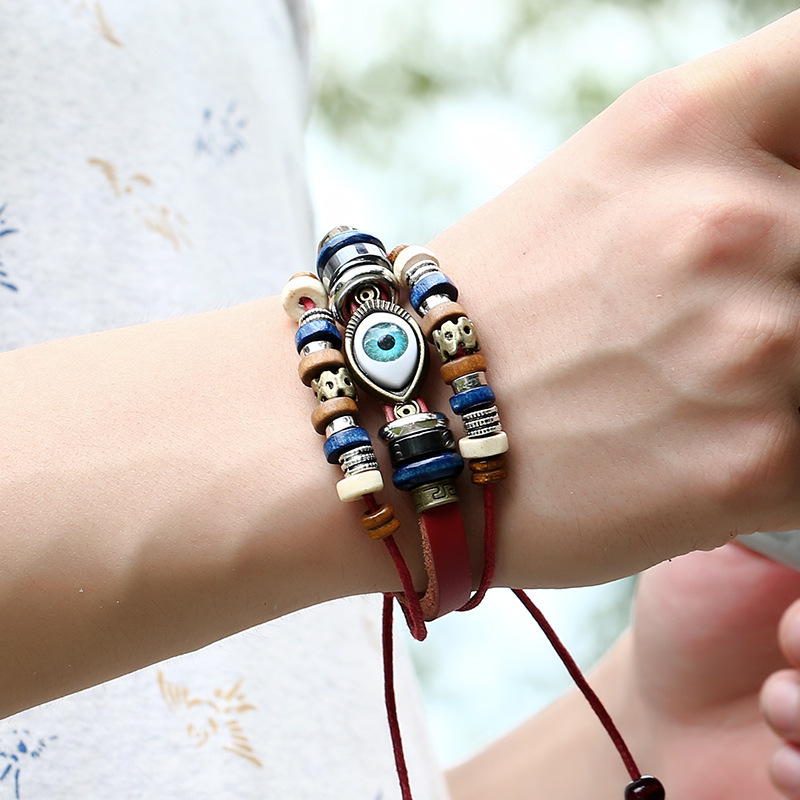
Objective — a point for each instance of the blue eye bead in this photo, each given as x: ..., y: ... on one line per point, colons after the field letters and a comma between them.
x: 342, y: 441
x: 317, y: 330
x: 433, y: 283
x: 385, y: 341
x: 427, y: 470
x: 471, y: 399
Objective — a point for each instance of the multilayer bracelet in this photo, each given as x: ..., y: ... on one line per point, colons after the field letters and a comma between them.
x: 382, y: 350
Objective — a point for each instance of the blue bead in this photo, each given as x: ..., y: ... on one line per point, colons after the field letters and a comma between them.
x: 432, y: 283
x: 318, y: 330
x: 342, y: 240
x: 342, y: 441
x: 427, y: 470
x: 470, y: 399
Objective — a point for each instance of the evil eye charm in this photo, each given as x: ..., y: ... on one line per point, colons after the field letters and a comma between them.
x: 385, y: 351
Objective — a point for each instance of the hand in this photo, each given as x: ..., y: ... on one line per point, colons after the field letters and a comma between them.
x: 704, y: 639
x: 636, y: 295
x: 682, y: 686
x: 780, y: 701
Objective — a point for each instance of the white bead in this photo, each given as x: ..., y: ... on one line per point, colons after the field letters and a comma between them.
x: 484, y: 447
x: 408, y: 257
x: 301, y: 286
x: 354, y: 487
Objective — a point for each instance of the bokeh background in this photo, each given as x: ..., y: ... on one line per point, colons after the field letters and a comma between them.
x: 423, y: 110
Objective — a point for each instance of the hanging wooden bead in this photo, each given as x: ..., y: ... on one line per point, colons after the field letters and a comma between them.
x: 487, y: 470
x: 380, y: 523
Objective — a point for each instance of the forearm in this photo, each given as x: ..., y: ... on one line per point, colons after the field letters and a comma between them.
x: 162, y: 488
x: 563, y: 751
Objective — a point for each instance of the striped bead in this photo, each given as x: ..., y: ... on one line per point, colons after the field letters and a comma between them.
x: 317, y: 330
x: 432, y: 283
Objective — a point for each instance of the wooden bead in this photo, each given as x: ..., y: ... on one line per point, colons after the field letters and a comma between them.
x: 487, y: 470
x: 459, y: 367
x: 312, y: 365
x: 329, y: 410
x: 354, y: 487
x: 403, y: 258
x: 381, y: 523
x: 300, y: 285
x: 439, y: 314
x: 483, y: 447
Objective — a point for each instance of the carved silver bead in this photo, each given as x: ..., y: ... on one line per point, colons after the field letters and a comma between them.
x: 358, y: 459
x: 354, y: 279
x: 483, y: 422
x: 332, y: 384
x: 453, y: 335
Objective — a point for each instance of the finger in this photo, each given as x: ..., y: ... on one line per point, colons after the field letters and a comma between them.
x: 780, y: 704
x: 784, y: 770
x: 789, y: 634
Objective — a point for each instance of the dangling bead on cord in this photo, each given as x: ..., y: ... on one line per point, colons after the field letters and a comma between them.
x: 645, y: 788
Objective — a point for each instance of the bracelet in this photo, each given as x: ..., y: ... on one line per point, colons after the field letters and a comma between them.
x: 383, y: 351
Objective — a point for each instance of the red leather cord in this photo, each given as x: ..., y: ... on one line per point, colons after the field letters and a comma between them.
x: 581, y: 682
x: 446, y: 557
x: 489, y: 550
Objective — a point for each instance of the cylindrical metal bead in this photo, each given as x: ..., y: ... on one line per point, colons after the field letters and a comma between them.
x: 432, y: 495
x: 358, y: 459
x: 482, y: 422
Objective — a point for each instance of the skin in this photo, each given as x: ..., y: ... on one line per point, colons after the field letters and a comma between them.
x: 682, y: 685
x: 636, y: 296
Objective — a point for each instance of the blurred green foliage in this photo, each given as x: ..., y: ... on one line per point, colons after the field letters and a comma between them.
x: 396, y: 60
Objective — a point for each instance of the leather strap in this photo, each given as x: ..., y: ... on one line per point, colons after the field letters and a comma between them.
x: 447, y: 562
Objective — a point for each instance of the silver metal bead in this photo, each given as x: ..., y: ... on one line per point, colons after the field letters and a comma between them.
x: 454, y: 335
x: 332, y: 384
x: 352, y: 280
x: 432, y: 495
x: 358, y: 459
x: 313, y: 347
x: 342, y: 423
x: 483, y: 422
x: 472, y: 380
x: 431, y: 302
x: 317, y: 313
x: 416, y: 423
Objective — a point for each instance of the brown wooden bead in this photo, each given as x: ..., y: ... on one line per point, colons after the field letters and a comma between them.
x: 317, y: 362
x: 487, y: 470
x: 329, y: 410
x: 438, y: 314
x: 459, y: 367
x: 380, y: 523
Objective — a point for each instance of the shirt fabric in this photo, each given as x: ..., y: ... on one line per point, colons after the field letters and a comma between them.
x: 151, y: 165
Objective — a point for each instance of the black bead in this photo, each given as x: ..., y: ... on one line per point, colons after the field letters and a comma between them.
x: 645, y: 788
x: 421, y: 445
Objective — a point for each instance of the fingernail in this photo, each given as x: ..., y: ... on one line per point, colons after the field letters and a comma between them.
x: 785, y: 769
x: 781, y: 705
